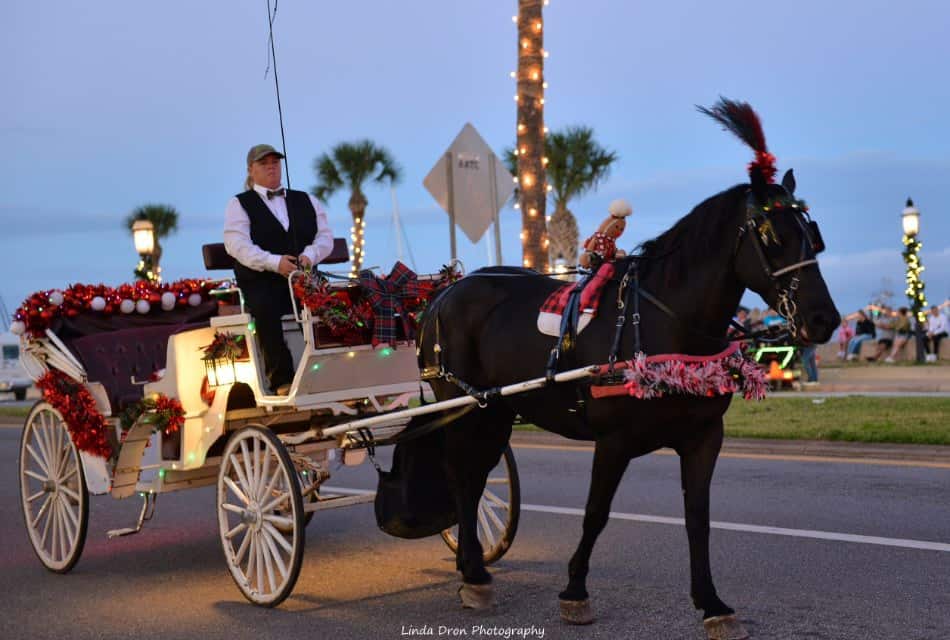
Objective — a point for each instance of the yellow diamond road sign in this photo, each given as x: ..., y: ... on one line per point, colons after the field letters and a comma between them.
x: 470, y: 183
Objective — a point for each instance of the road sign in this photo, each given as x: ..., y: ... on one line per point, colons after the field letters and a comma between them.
x: 471, y: 185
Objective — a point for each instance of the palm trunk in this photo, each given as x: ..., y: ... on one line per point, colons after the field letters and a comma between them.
x: 530, y: 128
x: 564, y: 237
x: 357, y: 206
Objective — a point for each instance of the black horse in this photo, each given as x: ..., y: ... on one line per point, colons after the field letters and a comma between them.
x: 753, y: 236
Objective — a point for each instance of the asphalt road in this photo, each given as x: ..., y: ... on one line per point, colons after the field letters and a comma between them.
x: 793, y: 580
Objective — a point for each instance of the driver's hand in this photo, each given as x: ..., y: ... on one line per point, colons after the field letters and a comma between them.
x: 304, y: 262
x: 288, y: 264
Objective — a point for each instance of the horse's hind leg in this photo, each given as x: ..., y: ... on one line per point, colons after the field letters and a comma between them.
x: 610, y: 462
x: 697, y: 462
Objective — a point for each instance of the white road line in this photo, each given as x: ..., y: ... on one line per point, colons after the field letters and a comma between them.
x: 726, y: 526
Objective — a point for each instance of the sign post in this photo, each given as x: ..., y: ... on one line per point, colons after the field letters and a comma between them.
x: 467, y: 183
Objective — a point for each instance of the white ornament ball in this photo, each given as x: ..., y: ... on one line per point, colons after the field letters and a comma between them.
x: 56, y: 298
x: 619, y: 208
x: 98, y: 303
x: 127, y: 306
x: 168, y: 301
x: 194, y: 299
x: 143, y: 307
x: 17, y: 327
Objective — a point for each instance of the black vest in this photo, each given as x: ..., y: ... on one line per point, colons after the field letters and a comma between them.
x: 268, y: 234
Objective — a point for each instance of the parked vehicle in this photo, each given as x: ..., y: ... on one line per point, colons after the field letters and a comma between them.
x: 13, y: 377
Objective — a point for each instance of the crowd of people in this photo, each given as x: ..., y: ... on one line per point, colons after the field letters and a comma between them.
x: 889, y: 330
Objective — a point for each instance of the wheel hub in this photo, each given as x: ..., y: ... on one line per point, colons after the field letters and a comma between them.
x: 252, y: 516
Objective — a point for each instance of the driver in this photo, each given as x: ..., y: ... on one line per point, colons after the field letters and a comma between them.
x: 270, y: 232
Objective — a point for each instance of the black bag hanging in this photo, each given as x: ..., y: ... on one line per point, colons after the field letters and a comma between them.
x: 413, y: 499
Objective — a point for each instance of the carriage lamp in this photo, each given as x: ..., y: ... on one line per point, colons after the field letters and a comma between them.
x: 220, y: 371
x: 910, y: 221
x: 143, y: 236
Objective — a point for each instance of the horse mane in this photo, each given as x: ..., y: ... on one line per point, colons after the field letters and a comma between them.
x: 692, y: 239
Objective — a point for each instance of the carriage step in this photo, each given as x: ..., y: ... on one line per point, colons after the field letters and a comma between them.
x: 335, y: 502
x: 148, y: 510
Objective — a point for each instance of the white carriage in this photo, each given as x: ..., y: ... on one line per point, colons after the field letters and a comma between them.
x: 267, y: 455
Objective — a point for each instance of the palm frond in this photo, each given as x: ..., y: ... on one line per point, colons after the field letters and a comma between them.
x: 164, y: 218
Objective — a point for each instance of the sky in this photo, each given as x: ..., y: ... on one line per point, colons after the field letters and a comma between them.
x: 109, y: 105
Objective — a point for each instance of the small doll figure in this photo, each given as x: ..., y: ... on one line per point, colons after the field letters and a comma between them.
x: 602, y: 246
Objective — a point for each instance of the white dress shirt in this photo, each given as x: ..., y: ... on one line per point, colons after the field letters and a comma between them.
x: 937, y: 324
x: 237, y: 233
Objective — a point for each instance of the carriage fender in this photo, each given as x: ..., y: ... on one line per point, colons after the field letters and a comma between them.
x: 96, y: 470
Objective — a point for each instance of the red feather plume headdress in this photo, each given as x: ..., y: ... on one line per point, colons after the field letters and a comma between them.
x: 742, y: 120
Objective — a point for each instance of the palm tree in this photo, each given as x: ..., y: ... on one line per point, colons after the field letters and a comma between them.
x: 164, y: 219
x: 576, y: 164
x: 530, y: 132
x: 351, y: 164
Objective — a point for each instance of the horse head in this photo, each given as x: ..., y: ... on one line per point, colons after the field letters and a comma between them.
x: 778, y: 242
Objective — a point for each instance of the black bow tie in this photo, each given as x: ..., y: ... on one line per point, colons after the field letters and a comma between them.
x: 276, y: 193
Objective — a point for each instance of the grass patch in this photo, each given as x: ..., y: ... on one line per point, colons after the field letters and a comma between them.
x: 848, y: 419
x: 15, y: 412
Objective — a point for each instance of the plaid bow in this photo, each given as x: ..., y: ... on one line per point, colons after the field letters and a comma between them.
x: 386, y: 295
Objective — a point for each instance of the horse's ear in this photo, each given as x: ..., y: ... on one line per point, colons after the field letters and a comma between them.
x: 788, y: 181
x: 760, y: 188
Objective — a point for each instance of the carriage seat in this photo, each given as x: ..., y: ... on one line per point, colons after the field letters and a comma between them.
x: 115, y: 357
x: 217, y: 258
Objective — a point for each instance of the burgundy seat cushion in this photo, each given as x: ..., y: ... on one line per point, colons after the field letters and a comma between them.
x: 113, y: 358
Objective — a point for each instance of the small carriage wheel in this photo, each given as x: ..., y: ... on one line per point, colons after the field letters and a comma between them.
x: 498, y: 511
x: 260, y: 516
x: 53, y: 493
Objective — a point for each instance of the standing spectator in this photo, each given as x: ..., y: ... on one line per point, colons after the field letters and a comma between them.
x: 845, y: 333
x: 810, y: 365
x: 902, y: 332
x: 863, y: 330
x: 937, y: 326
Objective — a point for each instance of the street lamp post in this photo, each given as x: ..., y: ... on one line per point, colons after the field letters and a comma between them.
x: 910, y: 221
x: 143, y: 236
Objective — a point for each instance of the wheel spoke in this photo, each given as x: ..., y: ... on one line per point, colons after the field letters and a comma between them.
x: 486, y: 529
x: 41, y: 443
x: 58, y: 450
x: 53, y: 513
x: 242, y: 549
x: 34, y: 475
x: 271, y: 483
x: 270, y: 506
x: 268, y: 563
x: 251, y: 557
x: 279, y: 537
x: 490, y: 512
x: 68, y: 473
x: 278, y: 520
x: 69, y: 531
x: 69, y: 492
x: 39, y: 460
x: 45, y: 530
x: 256, y: 467
x: 72, y: 517
x: 275, y: 554
x: 248, y: 471
x: 35, y: 496
x: 236, y: 490
x: 43, y: 509
x: 233, y: 508
x: 265, y: 470
x: 259, y: 564
x: 236, y: 464
x: 491, y: 497
x: 236, y: 530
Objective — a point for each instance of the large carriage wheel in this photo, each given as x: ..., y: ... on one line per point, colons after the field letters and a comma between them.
x: 260, y: 516
x: 52, y: 489
x: 498, y: 511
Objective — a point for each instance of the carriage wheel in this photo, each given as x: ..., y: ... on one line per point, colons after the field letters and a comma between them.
x: 498, y: 511
x: 260, y: 516
x: 52, y: 489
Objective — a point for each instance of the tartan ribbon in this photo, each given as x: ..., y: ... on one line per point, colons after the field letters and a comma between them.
x: 386, y: 295
x: 590, y: 296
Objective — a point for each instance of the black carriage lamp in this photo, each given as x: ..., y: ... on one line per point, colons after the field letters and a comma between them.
x: 910, y: 221
x: 143, y: 236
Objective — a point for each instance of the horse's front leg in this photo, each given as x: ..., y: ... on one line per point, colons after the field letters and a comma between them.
x: 610, y: 462
x: 697, y: 462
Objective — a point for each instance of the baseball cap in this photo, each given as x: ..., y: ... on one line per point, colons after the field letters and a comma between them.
x: 260, y: 151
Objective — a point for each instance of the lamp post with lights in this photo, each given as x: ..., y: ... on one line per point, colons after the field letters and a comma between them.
x: 910, y: 221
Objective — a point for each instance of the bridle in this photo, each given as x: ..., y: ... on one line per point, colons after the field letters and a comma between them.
x: 758, y: 226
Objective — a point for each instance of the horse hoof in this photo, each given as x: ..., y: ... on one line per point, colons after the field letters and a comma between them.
x: 576, y: 611
x: 725, y: 628
x: 477, y: 596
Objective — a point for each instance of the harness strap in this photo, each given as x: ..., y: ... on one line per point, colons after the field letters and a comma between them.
x: 570, y: 316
